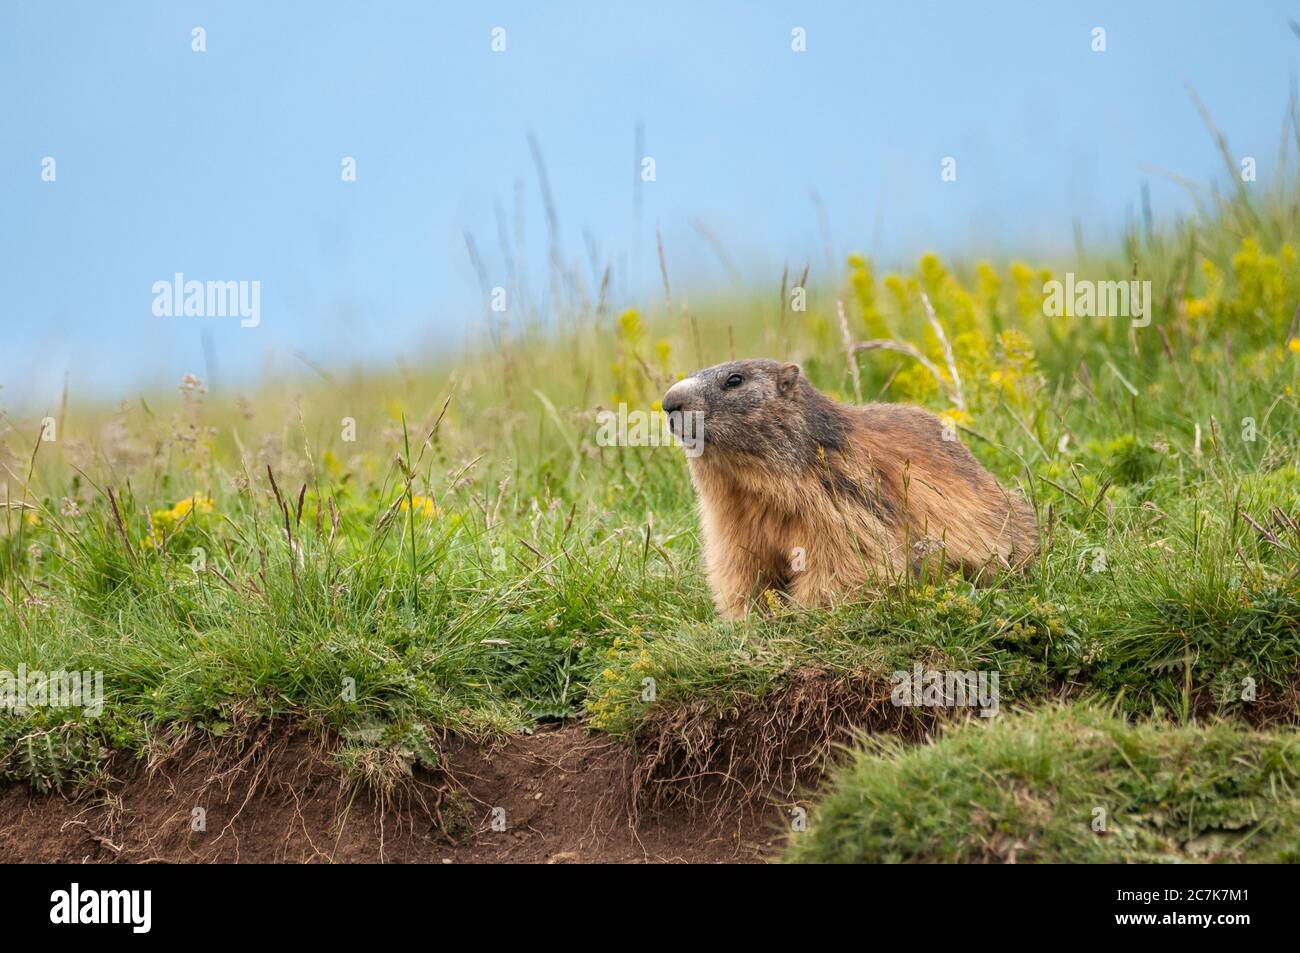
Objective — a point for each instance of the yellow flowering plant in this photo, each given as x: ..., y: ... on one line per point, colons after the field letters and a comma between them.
x: 165, y: 523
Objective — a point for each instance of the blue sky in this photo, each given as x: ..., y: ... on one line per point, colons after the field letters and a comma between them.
x: 225, y: 165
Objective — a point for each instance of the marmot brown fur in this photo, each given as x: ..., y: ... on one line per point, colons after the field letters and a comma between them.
x: 818, y: 500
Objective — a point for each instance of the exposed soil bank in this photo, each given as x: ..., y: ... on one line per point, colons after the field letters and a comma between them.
x: 562, y: 795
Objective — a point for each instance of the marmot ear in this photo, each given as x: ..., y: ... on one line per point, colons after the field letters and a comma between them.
x: 787, y: 377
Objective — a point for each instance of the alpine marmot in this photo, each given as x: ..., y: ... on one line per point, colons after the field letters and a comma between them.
x: 819, y: 500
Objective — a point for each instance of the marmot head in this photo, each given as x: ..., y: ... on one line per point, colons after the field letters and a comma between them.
x: 764, y: 411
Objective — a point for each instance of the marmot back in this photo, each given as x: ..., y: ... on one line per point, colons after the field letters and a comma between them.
x: 820, y: 500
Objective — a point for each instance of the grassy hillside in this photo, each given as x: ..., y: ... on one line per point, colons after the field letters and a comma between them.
x: 392, y: 557
x: 1064, y: 786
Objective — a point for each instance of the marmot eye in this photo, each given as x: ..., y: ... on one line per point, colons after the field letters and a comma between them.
x: 735, y: 380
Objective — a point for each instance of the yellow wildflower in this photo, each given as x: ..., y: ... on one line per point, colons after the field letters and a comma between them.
x: 1029, y: 298
x: 989, y: 287
x: 197, y: 502
x: 629, y: 325
x: 394, y: 409
x: 897, y: 286
x: 423, y: 506
x: 664, y: 351
x: 863, y: 280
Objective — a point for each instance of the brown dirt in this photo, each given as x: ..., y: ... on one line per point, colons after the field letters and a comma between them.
x: 275, y: 796
x: 769, y: 750
x: 1276, y: 705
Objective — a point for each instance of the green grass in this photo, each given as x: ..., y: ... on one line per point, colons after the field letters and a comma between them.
x: 1176, y: 623
x: 1063, y: 785
x: 472, y: 562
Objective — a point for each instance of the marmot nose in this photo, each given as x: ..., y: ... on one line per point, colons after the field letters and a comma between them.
x: 677, y: 395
